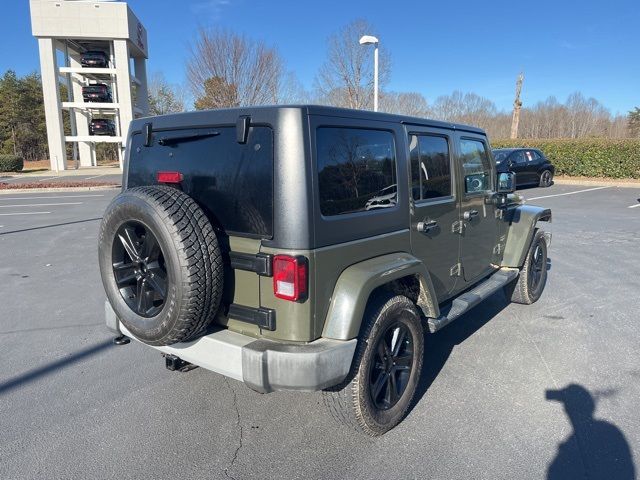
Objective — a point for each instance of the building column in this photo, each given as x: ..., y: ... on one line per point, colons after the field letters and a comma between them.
x: 142, y: 97
x: 82, y: 117
x: 123, y: 82
x: 51, y: 95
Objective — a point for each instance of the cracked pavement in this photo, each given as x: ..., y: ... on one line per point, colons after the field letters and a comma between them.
x: 240, y: 429
x: 502, y: 395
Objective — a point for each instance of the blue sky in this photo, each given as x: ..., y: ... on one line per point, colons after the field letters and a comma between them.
x: 436, y: 47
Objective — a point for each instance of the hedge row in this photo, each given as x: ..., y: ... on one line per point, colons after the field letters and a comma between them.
x: 11, y: 163
x: 589, y: 157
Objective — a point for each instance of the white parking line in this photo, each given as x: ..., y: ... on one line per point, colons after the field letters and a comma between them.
x: 41, y: 204
x: 23, y: 213
x: 96, y: 176
x: 634, y: 206
x: 47, y: 178
x: 568, y: 193
x: 11, y: 179
x: 49, y: 198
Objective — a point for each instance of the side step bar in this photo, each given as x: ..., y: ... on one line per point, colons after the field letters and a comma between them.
x: 470, y: 299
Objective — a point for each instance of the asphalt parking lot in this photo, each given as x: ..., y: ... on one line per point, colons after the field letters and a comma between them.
x: 550, y: 390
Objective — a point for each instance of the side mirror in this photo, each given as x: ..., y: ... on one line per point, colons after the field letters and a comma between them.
x: 506, y: 182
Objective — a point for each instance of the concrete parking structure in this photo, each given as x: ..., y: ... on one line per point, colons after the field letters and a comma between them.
x: 76, y: 406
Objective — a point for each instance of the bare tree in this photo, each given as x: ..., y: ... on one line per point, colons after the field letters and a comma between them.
x: 517, y: 106
x: 464, y: 108
x: 292, y: 91
x: 404, y: 103
x: 578, y: 117
x: 163, y: 97
x: 346, y: 77
x: 230, y: 70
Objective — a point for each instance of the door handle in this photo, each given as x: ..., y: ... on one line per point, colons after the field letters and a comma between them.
x: 469, y: 214
x: 426, y: 227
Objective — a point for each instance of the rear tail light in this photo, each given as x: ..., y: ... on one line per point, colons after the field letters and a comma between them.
x: 290, y: 277
x: 169, y: 177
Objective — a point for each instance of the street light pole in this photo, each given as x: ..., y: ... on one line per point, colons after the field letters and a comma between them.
x: 371, y: 40
x: 375, y: 78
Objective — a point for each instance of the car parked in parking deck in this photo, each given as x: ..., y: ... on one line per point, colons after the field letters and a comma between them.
x: 94, y: 59
x: 102, y: 126
x: 306, y: 247
x: 97, y: 92
x: 529, y: 164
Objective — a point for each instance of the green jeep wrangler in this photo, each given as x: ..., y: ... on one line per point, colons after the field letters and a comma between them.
x: 305, y: 247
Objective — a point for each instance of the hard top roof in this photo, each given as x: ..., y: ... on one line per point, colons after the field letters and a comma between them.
x: 321, y: 110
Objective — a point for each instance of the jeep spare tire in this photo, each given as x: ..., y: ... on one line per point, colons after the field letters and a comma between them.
x: 160, y: 264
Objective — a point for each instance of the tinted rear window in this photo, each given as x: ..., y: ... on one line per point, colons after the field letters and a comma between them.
x: 233, y: 181
x: 430, y: 167
x: 356, y: 170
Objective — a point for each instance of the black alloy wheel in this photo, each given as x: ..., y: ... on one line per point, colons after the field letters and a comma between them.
x: 139, y: 269
x: 161, y: 264
x: 529, y: 285
x: 392, y: 368
x: 378, y: 392
x: 537, y: 265
x: 545, y: 178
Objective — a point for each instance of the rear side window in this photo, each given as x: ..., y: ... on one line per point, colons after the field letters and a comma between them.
x: 356, y: 170
x: 518, y: 158
x: 475, y: 165
x: 532, y: 155
x: 233, y: 181
x: 430, y: 167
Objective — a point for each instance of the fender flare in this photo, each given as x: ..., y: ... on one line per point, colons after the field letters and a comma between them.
x: 522, y: 222
x: 355, y: 284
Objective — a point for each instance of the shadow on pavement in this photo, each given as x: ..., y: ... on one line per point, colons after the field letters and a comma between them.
x: 603, y: 450
x: 438, y: 346
x: 52, y: 367
x: 51, y: 226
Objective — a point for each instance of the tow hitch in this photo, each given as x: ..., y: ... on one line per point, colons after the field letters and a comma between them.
x: 176, y: 364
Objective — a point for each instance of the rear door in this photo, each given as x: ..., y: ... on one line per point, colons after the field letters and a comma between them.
x: 533, y: 162
x: 434, y: 206
x: 479, y: 225
x: 232, y: 182
x: 519, y: 167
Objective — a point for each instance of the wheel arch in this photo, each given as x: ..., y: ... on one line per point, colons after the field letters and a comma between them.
x: 397, y: 272
x: 522, y: 225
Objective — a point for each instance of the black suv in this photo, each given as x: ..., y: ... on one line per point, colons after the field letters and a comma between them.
x: 98, y: 92
x: 94, y: 59
x: 102, y: 126
x: 529, y: 164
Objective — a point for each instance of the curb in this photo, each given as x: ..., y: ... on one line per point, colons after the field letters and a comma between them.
x: 69, y: 173
x: 595, y: 182
x: 9, y: 191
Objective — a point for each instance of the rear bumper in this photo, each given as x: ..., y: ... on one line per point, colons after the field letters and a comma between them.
x: 264, y: 365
